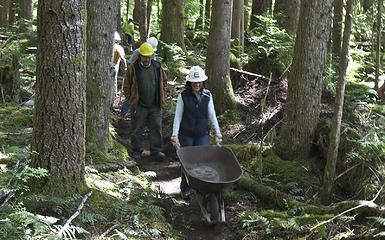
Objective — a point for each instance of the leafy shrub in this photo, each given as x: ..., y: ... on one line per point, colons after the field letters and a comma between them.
x: 269, y: 48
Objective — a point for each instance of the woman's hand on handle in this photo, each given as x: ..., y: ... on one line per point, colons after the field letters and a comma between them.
x: 218, y: 139
x: 175, y: 142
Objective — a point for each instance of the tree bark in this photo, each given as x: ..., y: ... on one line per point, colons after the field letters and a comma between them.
x: 207, y: 14
x: 236, y: 25
x: 4, y: 12
x: 143, y: 21
x: 59, y: 117
x: 26, y: 9
x: 136, y: 13
x: 258, y: 7
x: 287, y: 14
x: 127, y: 10
x: 172, y: 28
x: 199, y: 21
x: 301, y: 114
x: 12, y: 12
x: 246, y: 15
x: 100, y: 16
x: 334, y: 137
x: 218, y: 56
x: 366, y: 5
x: 148, y: 20
x: 338, y: 6
x: 378, y: 45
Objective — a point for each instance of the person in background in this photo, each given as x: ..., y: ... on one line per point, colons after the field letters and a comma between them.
x: 118, y: 57
x: 194, y: 110
x: 135, y: 55
x: 128, y: 28
x: 381, y: 92
x: 145, y: 86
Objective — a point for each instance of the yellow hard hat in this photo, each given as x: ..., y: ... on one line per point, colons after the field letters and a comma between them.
x: 146, y: 49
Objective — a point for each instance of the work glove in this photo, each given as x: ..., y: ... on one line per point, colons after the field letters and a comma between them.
x: 175, y: 141
x: 218, y: 139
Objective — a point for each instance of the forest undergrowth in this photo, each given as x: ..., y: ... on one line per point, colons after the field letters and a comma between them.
x: 142, y: 211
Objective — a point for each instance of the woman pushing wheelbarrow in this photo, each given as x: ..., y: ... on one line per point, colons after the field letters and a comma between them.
x: 205, y: 169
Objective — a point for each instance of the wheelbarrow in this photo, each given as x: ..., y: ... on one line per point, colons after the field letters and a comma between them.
x: 209, y: 170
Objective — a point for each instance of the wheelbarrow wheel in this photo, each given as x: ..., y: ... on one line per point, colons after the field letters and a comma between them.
x: 214, y: 207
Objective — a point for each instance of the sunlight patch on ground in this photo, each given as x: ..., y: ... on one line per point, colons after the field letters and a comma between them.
x: 169, y: 187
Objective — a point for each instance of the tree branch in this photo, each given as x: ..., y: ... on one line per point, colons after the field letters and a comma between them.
x: 108, y: 231
x: 60, y: 233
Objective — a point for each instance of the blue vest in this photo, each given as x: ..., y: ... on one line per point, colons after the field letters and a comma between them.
x: 195, y: 114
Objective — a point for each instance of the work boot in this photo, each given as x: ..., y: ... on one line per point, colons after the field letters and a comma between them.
x: 158, y: 156
x: 136, y: 156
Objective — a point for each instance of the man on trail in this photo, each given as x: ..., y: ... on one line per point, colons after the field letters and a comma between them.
x: 135, y: 55
x: 145, y: 87
x: 118, y: 56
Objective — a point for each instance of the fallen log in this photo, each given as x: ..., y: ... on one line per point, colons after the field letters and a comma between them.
x: 109, y: 167
x: 283, y: 201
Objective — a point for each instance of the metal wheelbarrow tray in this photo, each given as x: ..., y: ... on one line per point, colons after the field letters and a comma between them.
x: 209, y: 169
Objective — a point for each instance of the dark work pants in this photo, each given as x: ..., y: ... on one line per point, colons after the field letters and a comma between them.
x: 152, y: 118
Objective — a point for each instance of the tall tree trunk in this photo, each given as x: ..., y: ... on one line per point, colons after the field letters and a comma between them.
x: 172, y: 28
x: 12, y: 12
x: 143, y: 21
x: 287, y: 14
x: 269, y: 6
x: 366, y: 5
x: 199, y: 21
x: 127, y: 10
x: 378, y: 45
x: 258, y: 7
x: 338, y: 6
x: 207, y: 14
x: 59, y: 117
x: 4, y: 13
x: 136, y: 13
x: 159, y: 12
x: 99, y: 80
x: 26, y: 9
x: 303, y: 103
x: 246, y: 15
x: 148, y: 20
x: 117, y: 16
x: 218, y: 56
x: 334, y: 140
x: 236, y: 24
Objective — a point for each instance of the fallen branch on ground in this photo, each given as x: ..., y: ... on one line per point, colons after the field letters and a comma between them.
x: 66, y: 225
x: 250, y: 73
x: 108, y: 167
x: 108, y: 231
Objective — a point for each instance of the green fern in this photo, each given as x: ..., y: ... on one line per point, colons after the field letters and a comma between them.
x: 379, y: 220
x: 68, y: 232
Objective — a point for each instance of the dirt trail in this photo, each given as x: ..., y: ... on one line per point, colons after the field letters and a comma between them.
x: 186, y: 219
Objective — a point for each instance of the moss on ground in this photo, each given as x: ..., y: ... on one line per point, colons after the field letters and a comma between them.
x: 15, y: 125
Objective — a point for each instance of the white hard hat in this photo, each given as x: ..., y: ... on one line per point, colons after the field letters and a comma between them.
x: 153, y: 42
x: 117, y: 36
x: 196, y: 74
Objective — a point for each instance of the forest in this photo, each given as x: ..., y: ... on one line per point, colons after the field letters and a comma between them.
x: 298, y: 88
